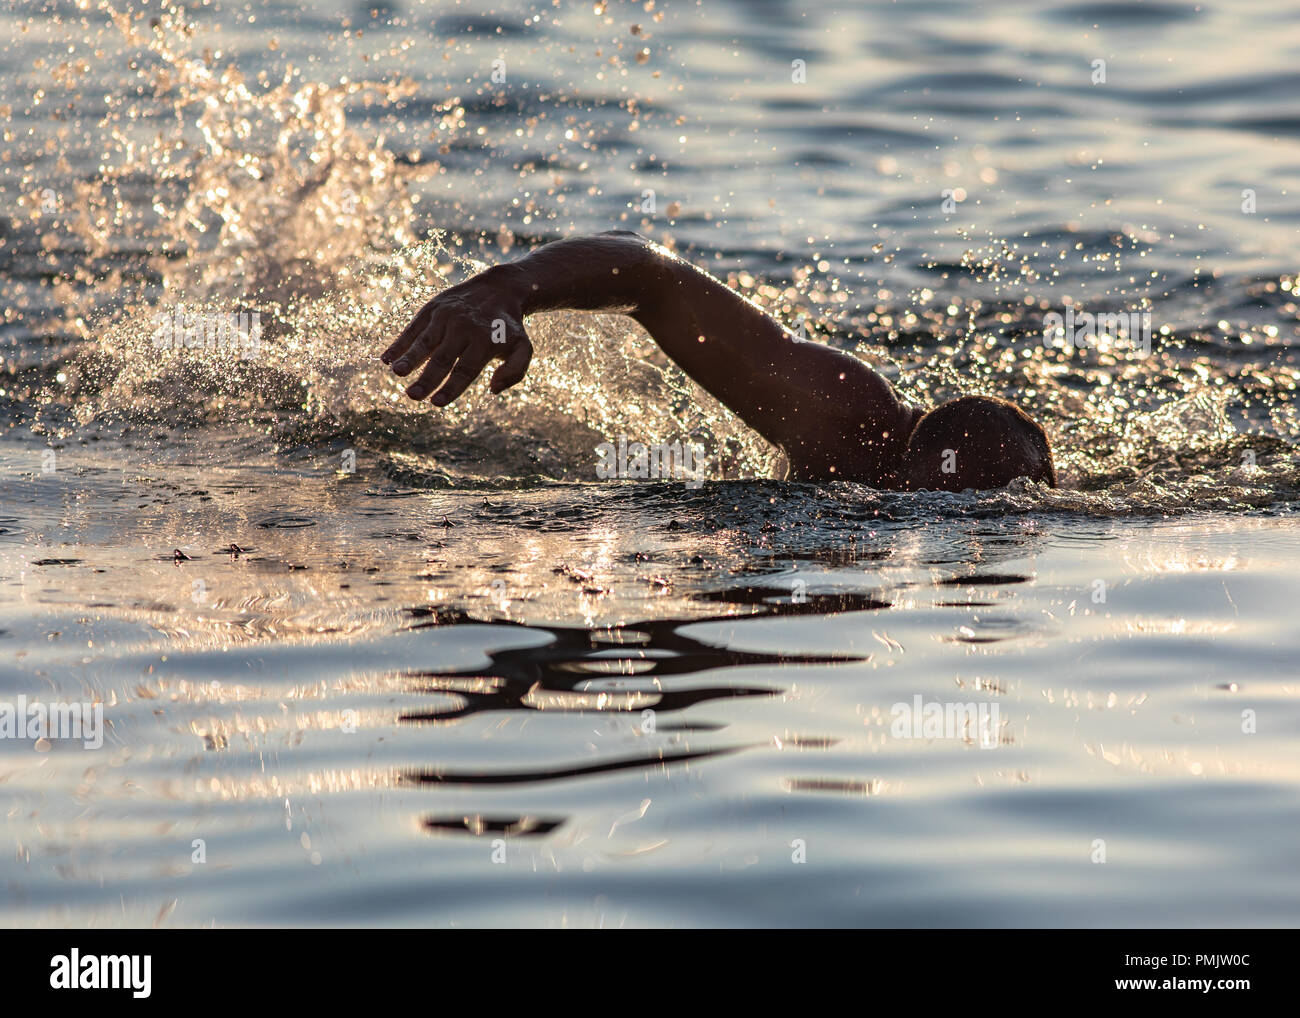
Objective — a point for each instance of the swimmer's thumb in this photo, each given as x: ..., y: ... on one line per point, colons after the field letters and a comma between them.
x: 513, y: 368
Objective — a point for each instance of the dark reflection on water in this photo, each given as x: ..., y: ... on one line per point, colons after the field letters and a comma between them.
x: 524, y: 678
x: 790, y: 602
x: 983, y: 579
x: 436, y: 777
x: 551, y: 678
x: 565, y: 675
x: 518, y: 827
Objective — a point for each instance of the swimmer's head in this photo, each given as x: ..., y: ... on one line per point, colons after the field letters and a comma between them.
x: 976, y: 442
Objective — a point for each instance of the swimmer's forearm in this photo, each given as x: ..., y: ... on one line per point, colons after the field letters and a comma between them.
x: 616, y: 272
x: 714, y: 333
x: 469, y: 325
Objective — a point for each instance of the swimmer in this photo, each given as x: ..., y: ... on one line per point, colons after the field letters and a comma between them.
x: 832, y: 415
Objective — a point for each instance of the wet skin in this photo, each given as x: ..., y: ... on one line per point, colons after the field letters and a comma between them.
x: 831, y: 414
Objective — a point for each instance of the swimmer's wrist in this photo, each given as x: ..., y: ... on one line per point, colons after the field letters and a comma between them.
x: 507, y: 280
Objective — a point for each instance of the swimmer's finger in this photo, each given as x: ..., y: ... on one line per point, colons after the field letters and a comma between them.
x: 513, y: 368
x: 423, y: 342
x: 403, y: 342
x: 436, y: 370
x: 468, y: 368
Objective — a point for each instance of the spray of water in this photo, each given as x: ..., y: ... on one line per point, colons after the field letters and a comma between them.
x: 224, y: 196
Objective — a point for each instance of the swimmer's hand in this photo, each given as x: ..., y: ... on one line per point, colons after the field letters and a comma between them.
x: 459, y: 333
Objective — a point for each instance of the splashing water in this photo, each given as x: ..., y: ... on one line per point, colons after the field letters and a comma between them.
x: 221, y: 193
x: 265, y: 202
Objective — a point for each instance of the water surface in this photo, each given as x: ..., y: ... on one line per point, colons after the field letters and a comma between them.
x: 419, y: 667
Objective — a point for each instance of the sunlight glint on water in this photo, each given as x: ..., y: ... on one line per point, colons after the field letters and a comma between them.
x: 395, y: 635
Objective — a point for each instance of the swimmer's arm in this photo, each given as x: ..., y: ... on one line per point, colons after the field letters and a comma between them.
x: 826, y: 409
